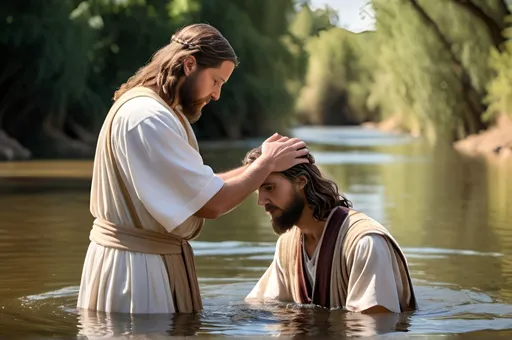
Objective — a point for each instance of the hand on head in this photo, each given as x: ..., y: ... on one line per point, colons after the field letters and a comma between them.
x: 284, y: 152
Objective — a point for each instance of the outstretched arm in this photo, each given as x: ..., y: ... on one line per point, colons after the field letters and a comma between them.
x: 169, y: 176
x: 238, y: 171
x: 276, y: 156
x: 232, y: 173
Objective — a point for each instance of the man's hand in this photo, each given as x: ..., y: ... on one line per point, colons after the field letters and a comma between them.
x: 278, y: 154
x: 283, y: 153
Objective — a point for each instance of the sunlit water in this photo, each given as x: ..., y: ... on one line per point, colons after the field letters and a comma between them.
x: 451, y: 215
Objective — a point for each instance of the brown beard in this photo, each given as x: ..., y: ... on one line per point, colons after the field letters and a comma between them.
x: 289, y: 215
x: 190, y: 104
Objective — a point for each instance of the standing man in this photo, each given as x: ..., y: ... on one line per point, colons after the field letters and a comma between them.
x: 151, y: 192
x: 327, y: 253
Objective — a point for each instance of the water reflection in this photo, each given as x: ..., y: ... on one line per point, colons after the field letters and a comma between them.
x: 500, y: 217
x: 297, y: 322
x: 97, y: 325
x: 444, y: 201
x: 291, y: 321
x: 450, y: 214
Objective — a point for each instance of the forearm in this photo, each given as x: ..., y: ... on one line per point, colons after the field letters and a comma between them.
x: 236, y: 189
x: 232, y: 173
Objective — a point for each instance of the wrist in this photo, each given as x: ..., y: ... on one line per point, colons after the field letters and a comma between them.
x: 264, y: 163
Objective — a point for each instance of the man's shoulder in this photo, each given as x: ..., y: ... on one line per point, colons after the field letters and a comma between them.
x: 372, y: 240
x: 288, y: 239
x: 144, y: 109
x: 356, y: 217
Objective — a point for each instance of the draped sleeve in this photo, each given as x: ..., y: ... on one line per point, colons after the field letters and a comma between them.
x: 374, y: 277
x: 168, y: 175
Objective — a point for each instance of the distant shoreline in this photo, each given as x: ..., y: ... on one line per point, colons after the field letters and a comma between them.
x: 494, y: 142
x: 49, y: 169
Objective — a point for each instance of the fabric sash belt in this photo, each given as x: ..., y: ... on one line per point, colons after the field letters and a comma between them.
x: 176, y: 252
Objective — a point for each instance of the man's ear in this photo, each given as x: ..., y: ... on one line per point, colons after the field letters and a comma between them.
x: 301, y: 181
x: 189, y: 65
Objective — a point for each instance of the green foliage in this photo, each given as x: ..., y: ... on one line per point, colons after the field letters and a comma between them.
x: 413, y: 73
x: 426, y: 67
x: 304, y: 25
x: 431, y: 66
x: 338, y: 78
x: 499, y: 95
x: 308, y: 23
x: 69, y: 57
x: 255, y: 101
x: 133, y: 30
x: 47, y: 63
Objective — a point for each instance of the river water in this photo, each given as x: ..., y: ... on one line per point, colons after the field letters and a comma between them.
x: 451, y: 215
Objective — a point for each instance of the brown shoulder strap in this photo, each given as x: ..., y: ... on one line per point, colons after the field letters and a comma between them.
x: 322, y: 294
x: 133, y: 93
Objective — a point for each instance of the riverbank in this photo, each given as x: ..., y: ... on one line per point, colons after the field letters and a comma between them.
x: 494, y: 142
x: 77, y: 169
x: 11, y: 150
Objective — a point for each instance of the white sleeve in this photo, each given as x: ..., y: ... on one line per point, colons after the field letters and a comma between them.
x: 168, y: 175
x: 271, y: 286
x: 372, y: 279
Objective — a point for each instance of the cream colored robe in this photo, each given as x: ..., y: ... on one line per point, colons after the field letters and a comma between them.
x: 360, y: 265
x: 139, y: 260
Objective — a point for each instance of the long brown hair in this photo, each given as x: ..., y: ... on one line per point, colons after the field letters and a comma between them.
x: 165, y: 68
x: 322, y: 194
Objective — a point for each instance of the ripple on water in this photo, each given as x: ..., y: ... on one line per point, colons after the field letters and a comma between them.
x: 349, y: 136
x: 265, y: 250
x: 444, y: 309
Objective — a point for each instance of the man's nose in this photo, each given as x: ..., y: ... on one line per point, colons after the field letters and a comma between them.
x: 216, y: 94
x: 262, y: 200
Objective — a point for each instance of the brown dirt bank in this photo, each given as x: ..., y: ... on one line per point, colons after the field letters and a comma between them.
x: 71, y: 169
x: 495, y: 142
x: 11, y: 150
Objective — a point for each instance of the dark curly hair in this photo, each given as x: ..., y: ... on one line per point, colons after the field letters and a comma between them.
x: 322, y: 195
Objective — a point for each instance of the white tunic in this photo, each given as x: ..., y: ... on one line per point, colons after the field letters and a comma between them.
x: 374, y: 278
x: 168, y: 182
x: 310, y: 263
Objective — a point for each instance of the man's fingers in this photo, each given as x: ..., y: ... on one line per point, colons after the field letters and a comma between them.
x: 301, y: 161
x: 302, y: 152
x: 273, y: 138
x: 298, y: 145
x: 292, y: 141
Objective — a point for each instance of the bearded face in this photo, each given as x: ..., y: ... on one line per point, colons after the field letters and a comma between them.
x: 283, y: 219
x: 282, y: 201
x: 200, y: 85
x: 190, y: 100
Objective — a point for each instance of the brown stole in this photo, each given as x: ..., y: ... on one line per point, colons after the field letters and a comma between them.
x: 176, y: 252
x: 321, y: 295
x: 344, y: 229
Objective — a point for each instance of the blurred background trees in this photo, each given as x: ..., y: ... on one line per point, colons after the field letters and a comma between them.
x: 434, y: 68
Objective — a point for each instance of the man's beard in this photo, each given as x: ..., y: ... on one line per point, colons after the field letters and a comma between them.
x: 289, y: 216
x: 190, y: 105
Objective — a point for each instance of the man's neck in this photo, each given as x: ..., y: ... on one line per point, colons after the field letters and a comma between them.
x: 312, y: 229
x: 172, y: 105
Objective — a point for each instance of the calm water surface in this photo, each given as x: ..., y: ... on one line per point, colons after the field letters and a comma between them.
x: 451, y: 215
